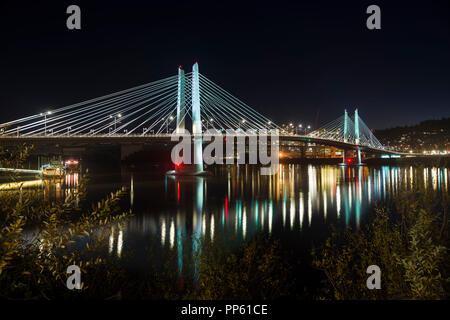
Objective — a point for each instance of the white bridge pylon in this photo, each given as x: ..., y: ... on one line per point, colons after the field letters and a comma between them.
x: 350, y: 131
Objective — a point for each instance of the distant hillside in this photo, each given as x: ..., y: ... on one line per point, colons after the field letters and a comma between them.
x: 425, y: 136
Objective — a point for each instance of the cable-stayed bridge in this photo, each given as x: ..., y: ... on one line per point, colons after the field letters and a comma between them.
x: 155, y: 108
x: 152, y: 111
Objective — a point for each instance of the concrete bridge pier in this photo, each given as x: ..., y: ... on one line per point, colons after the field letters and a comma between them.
x: 359, y: 156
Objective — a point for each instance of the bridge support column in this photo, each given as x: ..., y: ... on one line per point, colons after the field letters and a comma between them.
x: 345, y: 135
x: 180, y: 101
x: 356, y: 127
x: 196, y: 120
x: 195, y: 169
x: 345, y: 126
x: 357, y: 136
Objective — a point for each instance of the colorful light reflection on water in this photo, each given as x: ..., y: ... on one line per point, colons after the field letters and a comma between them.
x: 300, y: 201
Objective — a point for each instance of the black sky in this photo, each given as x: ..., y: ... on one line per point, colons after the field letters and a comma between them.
x: 285, y: 59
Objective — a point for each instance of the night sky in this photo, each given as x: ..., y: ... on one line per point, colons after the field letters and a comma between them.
x: 285, y: 59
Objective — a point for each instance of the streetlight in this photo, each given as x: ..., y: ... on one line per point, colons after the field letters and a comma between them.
x: 167, y: 123
x: 239, y: 123
x: 268, y: 125
x: 119, y: 115
x: 211, y: 120
x: 45, y: 120
x: 291, y: 126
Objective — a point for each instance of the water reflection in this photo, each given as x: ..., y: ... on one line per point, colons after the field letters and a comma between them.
x: 174, y: 213
x: 237, y: 201
x: 52, y: 188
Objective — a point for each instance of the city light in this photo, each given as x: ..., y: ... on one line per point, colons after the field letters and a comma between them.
x: 71, y: 162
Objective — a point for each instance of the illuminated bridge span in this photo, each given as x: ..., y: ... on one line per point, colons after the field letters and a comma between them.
x: 155, y: 108
x: 152, y: 111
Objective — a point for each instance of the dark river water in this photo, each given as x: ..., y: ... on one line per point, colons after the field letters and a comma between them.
x: 298, y: 205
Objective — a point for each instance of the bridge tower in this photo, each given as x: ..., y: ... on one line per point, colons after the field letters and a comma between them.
x: 196, y: 120
x: 345, y: 134
x: 181, y: 101
x: 357, y: 135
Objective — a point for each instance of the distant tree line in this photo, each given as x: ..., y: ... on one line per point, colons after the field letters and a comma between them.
x: 425, y: 136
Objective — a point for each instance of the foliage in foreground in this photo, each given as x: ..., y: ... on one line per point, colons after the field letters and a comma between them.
x: 256, y: 271
x: 409, y: 243
x: 40, y: 238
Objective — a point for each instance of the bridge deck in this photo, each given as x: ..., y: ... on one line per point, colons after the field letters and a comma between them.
x: 83, y: 140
